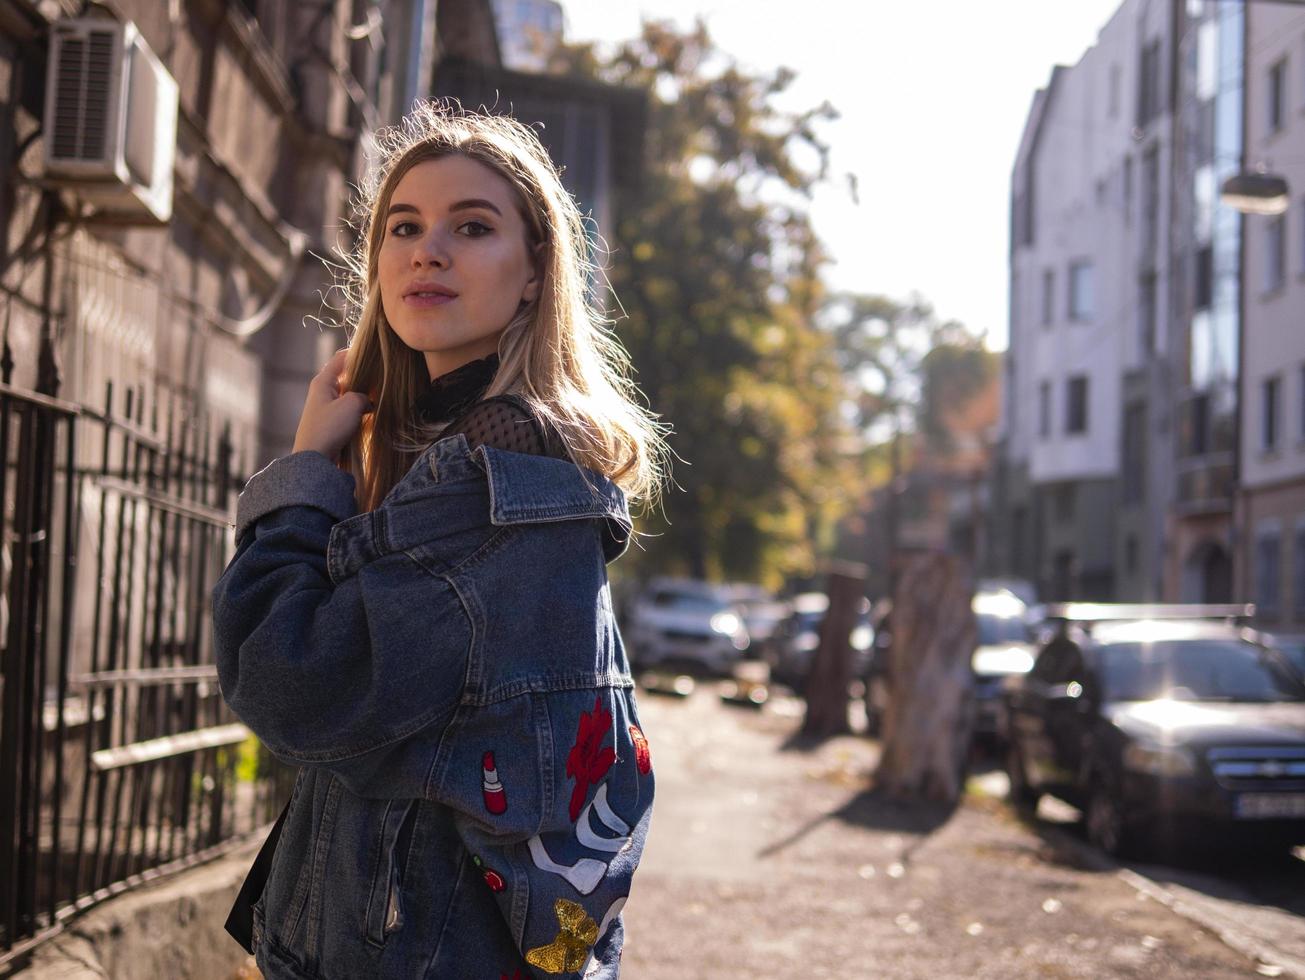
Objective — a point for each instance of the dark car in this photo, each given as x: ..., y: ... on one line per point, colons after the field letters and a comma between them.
x: 1161, y: 725
x: 797, y: 637
x: 1292, y: 647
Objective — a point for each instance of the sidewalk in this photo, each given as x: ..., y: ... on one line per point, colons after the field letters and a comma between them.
x: 767, y: 862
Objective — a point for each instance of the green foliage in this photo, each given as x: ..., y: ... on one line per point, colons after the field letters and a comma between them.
x: 952, y: 375
x: 719, y: 285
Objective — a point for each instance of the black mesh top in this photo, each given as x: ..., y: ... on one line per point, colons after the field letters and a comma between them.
x: 503, y: 421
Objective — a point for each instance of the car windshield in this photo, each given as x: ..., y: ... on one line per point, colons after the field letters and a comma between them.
x: 1001, y: 629
x: 1195, y: 670
x: 685, y: 602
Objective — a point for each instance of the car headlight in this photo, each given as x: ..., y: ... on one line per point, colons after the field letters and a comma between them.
x: 1159, y: 760
x: 726, y: 623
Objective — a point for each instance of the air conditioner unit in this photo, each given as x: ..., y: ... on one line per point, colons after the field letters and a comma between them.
x: 110, y: 120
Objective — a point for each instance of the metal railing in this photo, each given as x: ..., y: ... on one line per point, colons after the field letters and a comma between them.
x: 119, y: 760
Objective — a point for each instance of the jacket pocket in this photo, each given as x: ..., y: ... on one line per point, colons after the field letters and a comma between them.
x: 385, y: 899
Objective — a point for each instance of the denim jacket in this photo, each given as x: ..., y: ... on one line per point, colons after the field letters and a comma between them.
x: 474, y: 787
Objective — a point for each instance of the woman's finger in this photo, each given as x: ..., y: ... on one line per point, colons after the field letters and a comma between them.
x: 331, y: 370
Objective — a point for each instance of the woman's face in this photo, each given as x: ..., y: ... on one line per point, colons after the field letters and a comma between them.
x: 454, y: 265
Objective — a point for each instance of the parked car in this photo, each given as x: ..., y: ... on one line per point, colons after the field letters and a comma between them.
x: 1003, y: 648
x: 1292, y: 645
x: 686, y: 624
x: 1023, y: 588
x: 798, y: 637
x: 1166, y: 722
x: 762, y: 615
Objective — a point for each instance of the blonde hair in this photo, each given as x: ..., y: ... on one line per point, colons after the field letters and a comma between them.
x: 558, y: 353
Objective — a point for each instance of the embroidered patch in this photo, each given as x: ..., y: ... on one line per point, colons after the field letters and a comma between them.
x: 583, y: 876
x: 642, y: 757
x: 586, y: 873
x: 491, y: 788
x: 567, y: 953
x: 584, y: 832
x: 492, y: 877
x: 589, y: 760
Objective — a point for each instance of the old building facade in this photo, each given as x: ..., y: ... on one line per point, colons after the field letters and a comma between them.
x: 1271, y: 567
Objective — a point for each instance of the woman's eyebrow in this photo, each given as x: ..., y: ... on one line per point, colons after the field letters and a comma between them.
x: 476, y: 202
x: 471, y: 202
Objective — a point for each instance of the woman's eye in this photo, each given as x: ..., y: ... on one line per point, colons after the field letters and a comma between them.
x: 474, y: 229
x: 401, y: 224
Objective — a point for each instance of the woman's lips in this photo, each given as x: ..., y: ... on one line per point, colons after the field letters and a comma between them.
x: 427, y: 300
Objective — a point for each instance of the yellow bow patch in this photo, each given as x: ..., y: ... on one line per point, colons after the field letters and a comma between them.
x: 570, y: 949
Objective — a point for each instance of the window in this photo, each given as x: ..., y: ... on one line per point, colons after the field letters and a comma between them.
x: 1044, y: 409
x: 1146, y: 314
x: 1149, y: 77
x: 1275, y: 253
x: 1298, y: 572
x: 1128, y: 191
x: 1065, y: 499
x: 1301, y: 240
x: 1268, y: 570
x: 1133, y: 477
x: 1276, y: 93
x: 1150, y: 200
x: 1080, y: 291
x: 1302, y: 403
x: 1199, y: 414
x: 1048, y: 297
x: 1269, y: 395
x: 1204, y: 278
x: 1076, y: 405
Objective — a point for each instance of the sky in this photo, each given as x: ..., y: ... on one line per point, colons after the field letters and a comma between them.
x: 932, y: 96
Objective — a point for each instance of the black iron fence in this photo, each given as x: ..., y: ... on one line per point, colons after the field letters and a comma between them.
x: 119, y: 761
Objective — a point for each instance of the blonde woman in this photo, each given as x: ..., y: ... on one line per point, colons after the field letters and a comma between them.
x: 417, y: 613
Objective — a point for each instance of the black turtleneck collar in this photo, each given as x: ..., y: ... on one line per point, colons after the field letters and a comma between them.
x: 455, y: 391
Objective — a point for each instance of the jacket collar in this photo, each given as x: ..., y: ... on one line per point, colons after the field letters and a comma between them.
x: 523, y: 489
x: 527, y: 489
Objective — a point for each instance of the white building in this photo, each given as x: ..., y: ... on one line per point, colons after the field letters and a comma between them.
x: 1272, y: 445
x: 1088, y: 292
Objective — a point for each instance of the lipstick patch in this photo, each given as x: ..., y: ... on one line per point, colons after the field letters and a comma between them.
x: 491, y: 788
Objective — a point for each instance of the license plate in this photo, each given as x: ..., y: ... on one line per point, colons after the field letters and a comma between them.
x: 1260, y: 806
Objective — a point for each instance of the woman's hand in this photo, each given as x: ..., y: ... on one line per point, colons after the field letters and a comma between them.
x: 330, y: 419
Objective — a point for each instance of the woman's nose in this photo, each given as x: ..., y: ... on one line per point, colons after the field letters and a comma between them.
x: 432, y: 250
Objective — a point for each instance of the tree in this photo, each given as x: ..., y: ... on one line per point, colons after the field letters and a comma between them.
x: 927, y: 724
x: 717, y: 271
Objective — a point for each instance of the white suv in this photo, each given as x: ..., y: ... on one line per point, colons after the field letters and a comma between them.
x: 688, y: 624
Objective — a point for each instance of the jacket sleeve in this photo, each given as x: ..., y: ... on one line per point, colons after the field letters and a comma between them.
x: 358, y: 676
x: 552, y: 801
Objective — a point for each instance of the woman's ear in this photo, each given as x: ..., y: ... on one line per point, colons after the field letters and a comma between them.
x: 533, y: 284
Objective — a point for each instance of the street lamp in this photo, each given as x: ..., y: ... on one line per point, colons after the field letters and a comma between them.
x: 1255, y: 193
